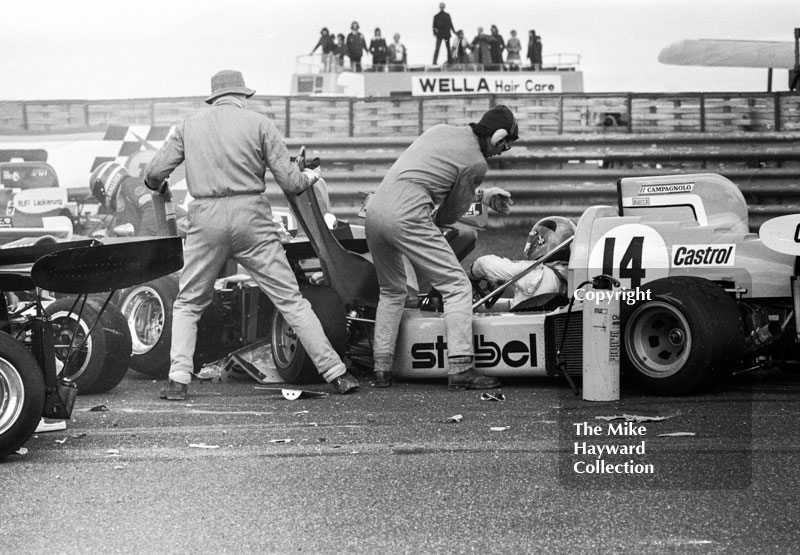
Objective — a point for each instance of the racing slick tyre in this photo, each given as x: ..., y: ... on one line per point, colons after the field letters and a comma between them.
x: 147, y: 309
x: 686, y: 336
x: 104, y: 358
x: 21, y: 394
x: 291, y: 360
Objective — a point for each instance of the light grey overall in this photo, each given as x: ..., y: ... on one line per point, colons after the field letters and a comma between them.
x: 399, y: 222
x: 227, y: 150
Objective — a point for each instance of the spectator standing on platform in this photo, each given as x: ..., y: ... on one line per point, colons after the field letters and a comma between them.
x: 356, y: 45
x: 378, y: 49
x: 461, y: 49
x: 480, y: 48
x: 538, y: 52
x: 442, y: 25
x: 328, y: 48
x: 513, y: 46
x: 535, y: 50
x: 398, y: 56
x: 339, y: 52
x: 496, y: 47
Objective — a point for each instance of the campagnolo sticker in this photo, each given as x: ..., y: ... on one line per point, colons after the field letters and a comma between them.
x: 666, y: 188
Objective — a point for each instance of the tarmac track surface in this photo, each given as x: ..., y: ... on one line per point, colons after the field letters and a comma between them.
x: 388, y: 471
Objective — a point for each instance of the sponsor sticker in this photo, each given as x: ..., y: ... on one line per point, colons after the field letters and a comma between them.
x: 484, y: 83
x: 666, y: 188
x: 703, y: 256
x: 39, y: 201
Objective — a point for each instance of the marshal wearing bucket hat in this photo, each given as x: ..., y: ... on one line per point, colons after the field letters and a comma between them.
x: 228, y: 81
x: 228, y: 151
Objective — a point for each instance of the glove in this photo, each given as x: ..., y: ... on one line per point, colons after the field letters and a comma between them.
x: 312, y: 175
x: 497, y: 199
x: 159, y: 188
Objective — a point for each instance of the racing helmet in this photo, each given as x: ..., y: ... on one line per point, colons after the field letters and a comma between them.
x: 105, y: 181
x: 547, y: 234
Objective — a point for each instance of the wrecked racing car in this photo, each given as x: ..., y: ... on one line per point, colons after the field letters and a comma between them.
x: 40, y: 351
x: 711, y: 299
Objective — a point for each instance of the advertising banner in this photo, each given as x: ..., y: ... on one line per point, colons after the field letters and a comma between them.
x: 516, y: 82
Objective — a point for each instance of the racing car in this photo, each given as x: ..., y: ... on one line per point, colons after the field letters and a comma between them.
x: 45, y: 357
x: 707, y: 297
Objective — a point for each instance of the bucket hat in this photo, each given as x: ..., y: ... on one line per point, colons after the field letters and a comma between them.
x: 228, y: 81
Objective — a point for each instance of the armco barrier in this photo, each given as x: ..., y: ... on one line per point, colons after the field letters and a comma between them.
x: 546, y: 114
x: 564, y: 175
x: 769, y: 192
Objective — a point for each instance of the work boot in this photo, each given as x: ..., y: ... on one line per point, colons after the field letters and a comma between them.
x: 383, y: 378
x: 174, y: 391
x: 345, y: 383
x: 471, y: 379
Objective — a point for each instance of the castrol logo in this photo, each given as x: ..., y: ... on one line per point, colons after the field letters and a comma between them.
x: 703, y: 256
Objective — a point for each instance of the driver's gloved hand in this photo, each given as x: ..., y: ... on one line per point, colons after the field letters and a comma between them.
x: 497, y: 199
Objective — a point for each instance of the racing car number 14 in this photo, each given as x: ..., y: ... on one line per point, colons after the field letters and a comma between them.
x: 632, y: 253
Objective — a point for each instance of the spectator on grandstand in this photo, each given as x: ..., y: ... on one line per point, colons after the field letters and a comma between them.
x: 513, y: 46
x: 339, y: 52
x: 460, y: 53
x: 496, y: 47
x: 356, y: 44
x: 328, y: 47
x: 480, y: 48
x: 442, y: 25
x: 398, y: 55
x: 378, y: 49
x: 535, y: 50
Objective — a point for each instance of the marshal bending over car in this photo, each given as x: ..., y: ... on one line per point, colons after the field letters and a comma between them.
x: 707, y: 297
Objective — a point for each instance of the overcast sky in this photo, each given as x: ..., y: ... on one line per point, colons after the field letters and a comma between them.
x: 91, y: 49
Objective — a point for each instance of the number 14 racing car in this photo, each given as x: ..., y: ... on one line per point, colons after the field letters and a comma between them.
x: 706, y: 296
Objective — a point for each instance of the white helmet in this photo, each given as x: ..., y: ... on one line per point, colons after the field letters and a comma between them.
x: 547, y: 234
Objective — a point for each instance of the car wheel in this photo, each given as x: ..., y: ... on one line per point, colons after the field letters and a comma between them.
x: 147, y: 310
x: 118, y: 350
x: 99, y: 357
x: 21, y: 395
x: 684, y: 338
x: 291, y: 360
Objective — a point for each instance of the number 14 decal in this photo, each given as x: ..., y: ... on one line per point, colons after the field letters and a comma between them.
x: 630, y: 265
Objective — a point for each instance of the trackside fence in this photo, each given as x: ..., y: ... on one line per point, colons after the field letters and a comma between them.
x: 547, y: 114
x: 574, y: 147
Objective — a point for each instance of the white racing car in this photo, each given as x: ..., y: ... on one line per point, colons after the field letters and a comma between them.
x: 707, y: 296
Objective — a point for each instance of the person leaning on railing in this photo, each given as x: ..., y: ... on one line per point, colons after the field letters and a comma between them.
x: 328, y: 48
